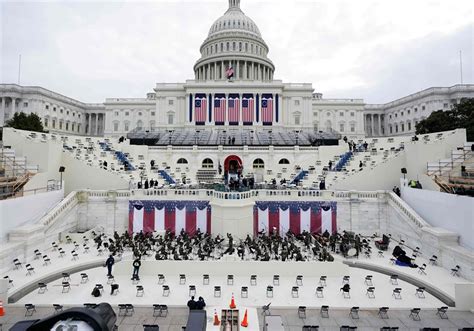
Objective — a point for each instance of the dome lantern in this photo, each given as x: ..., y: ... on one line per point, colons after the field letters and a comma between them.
x: 234, y: 4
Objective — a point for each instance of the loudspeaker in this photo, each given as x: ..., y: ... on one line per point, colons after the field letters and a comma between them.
x: 404, y: 171
x: 62, y: 169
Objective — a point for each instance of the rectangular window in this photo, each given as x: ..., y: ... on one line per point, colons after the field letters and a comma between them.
x: 403, y: 127
x: 54, y: 108
x: 297, y: 102
x: 170, y: 102
x: 409, y: 126
x: 352, y: 114
x: 297, y: 120
x: 341, y: 114
x: 54, y: 124
x: 61, y: 111
x: 402, y: 114
x: 423, y: 107
x: 116, y: 113
x: 126, y: 127
x: 416, y: 109
x: 445, y: 105
x: 127, y: 113
x: 73, y: 126
x: 78, y: 128
x: 391, y: 130
x: 47, y: 107
x: 115, y: 126
x: 409, y: 111
x: 60, y: 125
x: 67, y: 126
x: 45, y: 122
x: 25, y: 104
x: 353, y: 128
x: 170, y: 119
x: 152, y: 113
x: 396, y: 128
x: 341, y: 127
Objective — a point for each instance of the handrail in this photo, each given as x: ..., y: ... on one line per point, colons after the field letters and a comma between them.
x: 411, y: 214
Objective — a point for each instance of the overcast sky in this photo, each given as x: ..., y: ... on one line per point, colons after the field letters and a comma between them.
x: 376, y: 50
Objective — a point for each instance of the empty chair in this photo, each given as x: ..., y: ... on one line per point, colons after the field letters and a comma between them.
x: 380, y: 253
x: 140, y: 291
x: 182, y: 279
x: 347, y: 328
x: 302, y: 311
x: 37, y: 254
x: 442, y: 312
x: 84, y: 278
x: 319, y: 292
x: 126, y: 309
x: 10, y: 281
x: 422, y: 269
x: 230, y: 279
x: 434, y: 260
x: 370, y: 292
x: 30, y: 309
x: 420, y: 292
x: 66, y: 287
x: 217, y: 292
x: 322, y: 280
x: 415, y: 314
x: 294, y: 291
x: 46, y: 260
x: 100, y: 288
x: 62, y: 253
x: 299, y: 280
x: 166, y: 290
x: 57, y: 308
x: 368, y: 280
x: 324, y: 311
x: 42, y: 287
x: 269, y: 291
x: 394, y: 279
x: 244, y: 292
x: 354, y: 313
x: 253, y: 280
x: 86, y: 249
x: 163, y: 310
x: 110, y: 279
x: 29, y: 270
x: 455, y: 270
x: 75, y: 256
x: 346, y: 291
x: 156, y: 309
x: 192, y: 290
x: 17, y: 264
x: 161, y: 279
x: 346, y: 279
x: 397, y: 293
x: 151, y: 327
x: 310, y: 328
x: 205, y: 279
x: 114, y: 289
x: 383, y: 312
x: 66, y: 277
x: 276, y: 280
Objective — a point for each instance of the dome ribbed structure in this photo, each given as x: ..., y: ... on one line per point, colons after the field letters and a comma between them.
x: 234, y: 40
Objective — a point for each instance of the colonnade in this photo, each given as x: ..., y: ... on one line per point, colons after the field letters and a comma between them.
x: 244, y: 70
x: 374, y: 125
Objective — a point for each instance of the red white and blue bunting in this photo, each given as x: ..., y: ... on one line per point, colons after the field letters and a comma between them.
x: 150, y: 216
x: 296, y: 216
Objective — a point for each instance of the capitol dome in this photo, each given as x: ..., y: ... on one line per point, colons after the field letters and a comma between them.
x: 234, y: 40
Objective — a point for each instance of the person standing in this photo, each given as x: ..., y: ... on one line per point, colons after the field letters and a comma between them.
x: 109, y: 263
x: 136, y: 268
x: 192, y: 304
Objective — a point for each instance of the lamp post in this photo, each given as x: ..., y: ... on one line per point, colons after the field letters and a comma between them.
x: 61, y: 170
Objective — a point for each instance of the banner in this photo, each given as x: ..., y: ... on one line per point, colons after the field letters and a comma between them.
x: 151, y: 215
x: 296, y: 216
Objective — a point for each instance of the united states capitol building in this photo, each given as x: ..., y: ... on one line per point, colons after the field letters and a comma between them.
x: 234, y: 41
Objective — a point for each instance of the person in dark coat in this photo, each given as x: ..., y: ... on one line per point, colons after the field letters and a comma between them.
x: 200, y: 304
x: 146, y: 185
x: 136, y: 268
x: 192, y: 304
x: 109, y: 263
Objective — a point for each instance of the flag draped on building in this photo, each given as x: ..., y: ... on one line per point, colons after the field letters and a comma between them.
x: 200, y: 108
x: 233, y: 109
x: 267, y: 109
x: 150, y: 216
x: 229, y: 72
x: 248, y: 106
x: 296, y: 216
x: 219, y: 109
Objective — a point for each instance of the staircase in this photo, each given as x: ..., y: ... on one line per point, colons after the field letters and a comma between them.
x: 167, y: 177
x: 14, y: 173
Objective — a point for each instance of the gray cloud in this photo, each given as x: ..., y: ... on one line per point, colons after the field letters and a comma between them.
x: 369, y: 49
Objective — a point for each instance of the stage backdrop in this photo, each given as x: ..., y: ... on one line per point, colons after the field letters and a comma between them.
x: 297, y: 216
x: 152, y: 215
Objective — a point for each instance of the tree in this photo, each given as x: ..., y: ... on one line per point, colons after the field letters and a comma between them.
x: 460, y: 116
x: 22, y: 121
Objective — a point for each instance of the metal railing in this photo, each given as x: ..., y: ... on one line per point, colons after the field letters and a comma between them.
x: 442, y: 166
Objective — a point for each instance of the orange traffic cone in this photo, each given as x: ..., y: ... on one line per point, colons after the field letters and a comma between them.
x: 2, y: 311
x: 216, y: 319
x: 245, y: 321
x: 232, y: 302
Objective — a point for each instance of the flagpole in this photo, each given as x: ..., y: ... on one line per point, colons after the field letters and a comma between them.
x: 19, y: 68
x: 460, y: 64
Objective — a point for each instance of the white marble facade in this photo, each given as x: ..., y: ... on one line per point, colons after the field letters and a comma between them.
x: 234, y: 41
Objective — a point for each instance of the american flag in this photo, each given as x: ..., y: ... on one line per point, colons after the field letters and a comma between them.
x: 234, y: 110
x: 247, y: 110
x: 200, y: 106
x: 267, y: 110
x: 230, y: 72
x: 219, y: 110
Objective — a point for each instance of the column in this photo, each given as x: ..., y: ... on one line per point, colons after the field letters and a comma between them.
x: 222, y: 70
x: 372, y: 125
x: 2, y: 114
x: 89, y: 125
x: 215, y: 71
x: 253, y: 72
x: 13, y: 106
x: 237, y: 69
x: 380, y: 125
x: 245, y: 76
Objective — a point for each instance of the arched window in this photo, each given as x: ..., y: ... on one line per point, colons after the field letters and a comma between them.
x: 139, y: 125
x: 284, y: 161
x: 182, y: 161
x: 207, y: 164
x: 258, y: 164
